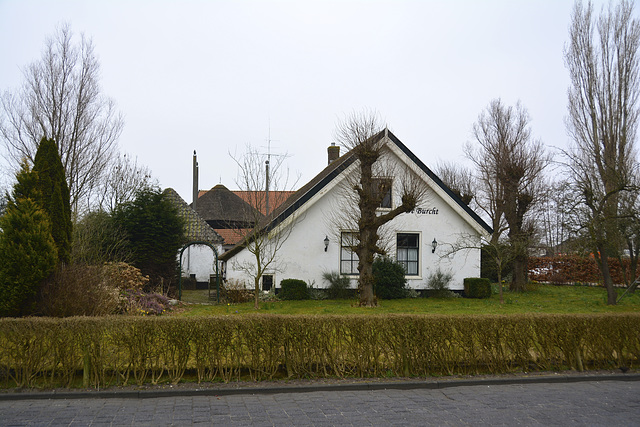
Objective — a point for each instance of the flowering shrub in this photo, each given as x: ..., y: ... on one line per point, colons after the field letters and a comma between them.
x: 140, y: 303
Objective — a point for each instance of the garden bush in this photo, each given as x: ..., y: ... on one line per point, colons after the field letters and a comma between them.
x: 293, y: 289
x: 235, y: 292
x: 475, y: 287
x: 389, y: 279
x: 438, y: 285
x: 338, y: 285
x: 96, y: 290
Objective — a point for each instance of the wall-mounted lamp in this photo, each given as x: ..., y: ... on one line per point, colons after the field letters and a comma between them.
x: 326, y: 243
x: 434, y: 245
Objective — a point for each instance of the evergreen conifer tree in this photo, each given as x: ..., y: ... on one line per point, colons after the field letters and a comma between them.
x: 27, y: 249
x: 54, y: 191
x: 155, y: 233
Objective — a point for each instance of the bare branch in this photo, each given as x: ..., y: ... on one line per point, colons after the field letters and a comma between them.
x: 604, y: 69
x: 61, y: 99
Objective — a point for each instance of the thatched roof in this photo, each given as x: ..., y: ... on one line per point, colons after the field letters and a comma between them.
x: 196, y: 229
x: 220, y: 205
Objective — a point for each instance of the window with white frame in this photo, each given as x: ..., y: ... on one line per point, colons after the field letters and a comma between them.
x: 348, y: 257
x: 408, y: 252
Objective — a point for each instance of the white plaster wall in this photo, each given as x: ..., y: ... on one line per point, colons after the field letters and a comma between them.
x: 199, y: 260
x: 303, y: 255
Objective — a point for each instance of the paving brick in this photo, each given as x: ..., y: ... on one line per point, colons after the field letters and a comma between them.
x: 532, y: 404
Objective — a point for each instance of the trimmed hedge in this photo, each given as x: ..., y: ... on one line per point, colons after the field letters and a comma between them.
x: 293, y: 289
x: 476, y: 287
x: 573, y: 268
x: 47, y: 352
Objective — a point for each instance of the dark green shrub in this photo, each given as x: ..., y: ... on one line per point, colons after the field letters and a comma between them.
x: 54, y: 192
x: 154, y: 233
x: 389, y: 281
x: 317, y: 294
x: 28, y: 255
x: 475, y: 287
x: 293, y: 289
x: 338, y: 285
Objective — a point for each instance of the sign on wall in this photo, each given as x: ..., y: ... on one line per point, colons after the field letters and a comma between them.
x: 425, y: 211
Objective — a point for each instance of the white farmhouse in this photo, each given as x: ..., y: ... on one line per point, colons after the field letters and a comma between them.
x: 318, y: 241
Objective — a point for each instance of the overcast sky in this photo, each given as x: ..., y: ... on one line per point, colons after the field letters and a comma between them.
x: 213, y: 76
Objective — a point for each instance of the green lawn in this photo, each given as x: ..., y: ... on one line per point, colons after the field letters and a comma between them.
x: 542, y: 299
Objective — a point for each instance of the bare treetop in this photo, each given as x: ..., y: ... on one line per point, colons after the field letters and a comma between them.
x: 603, y: 60
x: 61, y: 99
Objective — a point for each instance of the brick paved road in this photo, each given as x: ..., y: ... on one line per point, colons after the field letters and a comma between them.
x: 592, y: 403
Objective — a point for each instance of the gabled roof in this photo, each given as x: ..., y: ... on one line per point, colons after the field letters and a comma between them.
x: 333, y: 170
x: 232, y: 236
x: 258, y: 199
x: 222, y: 205
x: 276, y: 198
x: 196, y: 229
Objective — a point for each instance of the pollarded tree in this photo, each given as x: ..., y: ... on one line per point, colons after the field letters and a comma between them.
x: 604, y: 69
x: 375, y: 179
x: 509, y: 164
x: 459, y: 179
x: 154, y: 232
x: 61, y: 99
x: 27, y: 249
x: 54, y: 193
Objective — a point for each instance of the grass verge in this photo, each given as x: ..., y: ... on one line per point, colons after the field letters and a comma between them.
x: 539, y: 299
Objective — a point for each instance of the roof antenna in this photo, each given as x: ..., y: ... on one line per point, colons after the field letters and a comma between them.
x: 267, y: 165
x: 195, y: 179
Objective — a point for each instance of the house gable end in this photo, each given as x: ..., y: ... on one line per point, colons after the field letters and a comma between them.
x: 334, y: 171
x: 474, y: 216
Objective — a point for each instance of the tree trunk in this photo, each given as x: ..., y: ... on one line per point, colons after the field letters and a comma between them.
x: 256, y: 304
x: 365, y: 268
x: 519, y: 281
x: 603, y: 264
x: 365, y: 284
x: 499, y: 264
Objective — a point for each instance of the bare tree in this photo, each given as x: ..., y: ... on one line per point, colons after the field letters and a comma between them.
x: 509, y: 165
x: 489, y: 191
x: 61, y: 100
x: 376, y: 177
x: 262, y: 178
x: 98, y: 239
x: 554, y: 213
x: 124, y: 178
x: 459, y: 179
x: 603, y: 63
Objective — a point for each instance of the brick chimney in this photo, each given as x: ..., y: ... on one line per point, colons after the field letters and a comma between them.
x: 334, y: 152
